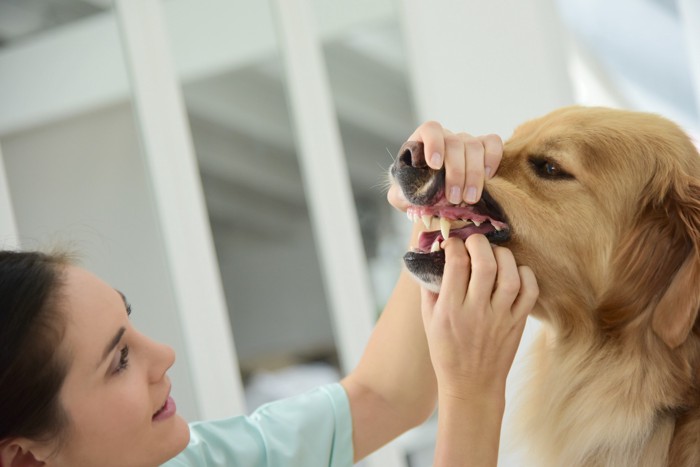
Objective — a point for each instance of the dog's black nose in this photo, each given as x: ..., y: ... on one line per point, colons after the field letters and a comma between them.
x: 411, y: 155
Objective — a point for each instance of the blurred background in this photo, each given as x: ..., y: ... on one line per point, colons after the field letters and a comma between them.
x: 224, y: 162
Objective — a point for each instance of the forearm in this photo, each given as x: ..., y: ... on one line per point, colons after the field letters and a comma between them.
x: 468, y: 431
x: 393, y: 387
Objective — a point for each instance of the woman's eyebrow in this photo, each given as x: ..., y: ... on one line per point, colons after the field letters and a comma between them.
x: 113, y: 343
x: 127, y: 305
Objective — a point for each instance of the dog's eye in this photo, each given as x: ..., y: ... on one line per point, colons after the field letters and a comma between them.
x: 545, y: 168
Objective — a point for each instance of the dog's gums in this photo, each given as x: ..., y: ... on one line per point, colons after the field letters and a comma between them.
x: 443, y: 220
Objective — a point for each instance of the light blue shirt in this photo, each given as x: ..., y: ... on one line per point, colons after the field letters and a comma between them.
x: 313, y: 429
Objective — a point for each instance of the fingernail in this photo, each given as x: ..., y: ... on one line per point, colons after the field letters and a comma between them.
x: 436, y: 159
x: 455, y: 195
x: 487, y: 171
x: 471, y: 195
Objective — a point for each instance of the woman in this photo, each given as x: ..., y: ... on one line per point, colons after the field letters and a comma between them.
x: 80, y: 386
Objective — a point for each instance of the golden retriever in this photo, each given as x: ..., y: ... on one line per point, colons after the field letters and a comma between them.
x: 604, y: 206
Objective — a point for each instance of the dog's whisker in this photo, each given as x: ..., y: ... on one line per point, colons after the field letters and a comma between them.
x: 383, y: 185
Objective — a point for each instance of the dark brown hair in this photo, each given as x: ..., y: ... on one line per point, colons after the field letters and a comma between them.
x: 31, y: 329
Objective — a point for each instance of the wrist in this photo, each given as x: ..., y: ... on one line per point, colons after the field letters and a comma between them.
x: 471, y: 389
x: 469, y: 426
x: 475, y: 400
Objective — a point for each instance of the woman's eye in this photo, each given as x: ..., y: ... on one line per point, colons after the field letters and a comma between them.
x: 123, y: 359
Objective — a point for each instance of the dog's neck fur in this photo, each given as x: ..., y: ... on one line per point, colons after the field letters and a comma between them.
x: 573, y: 414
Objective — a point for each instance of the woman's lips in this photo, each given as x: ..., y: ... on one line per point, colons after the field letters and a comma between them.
x: 167, y: 411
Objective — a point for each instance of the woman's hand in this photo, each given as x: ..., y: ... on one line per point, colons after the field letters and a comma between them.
x: 475, y: 324
x: 468, y: 161
x: 473, y: 329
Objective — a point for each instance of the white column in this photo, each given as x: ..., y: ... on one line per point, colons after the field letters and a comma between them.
x: 328, y: 190
x: 174, y: 175
x: 690, y: 19
x: 8, y: 226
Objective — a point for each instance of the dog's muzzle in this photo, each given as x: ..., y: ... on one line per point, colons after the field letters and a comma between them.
x: 424, y: 188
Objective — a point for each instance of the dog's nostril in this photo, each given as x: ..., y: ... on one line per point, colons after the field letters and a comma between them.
x: 411, y: 155
x: 405, y: 157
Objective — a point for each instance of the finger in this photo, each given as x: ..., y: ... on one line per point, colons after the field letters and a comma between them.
x: 493, y: 153
x: 432, y: 135
x: 396, y: 198
x: 529, y: 292
x: 483, y: 273
x: 455, y: 167
x: 507, y: 280
x: 474, y: 180
x: 427, y: 299
x: 457, y: 272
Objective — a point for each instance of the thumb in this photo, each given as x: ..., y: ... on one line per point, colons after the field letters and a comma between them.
x: 396, y: 198
x: 428, y: 300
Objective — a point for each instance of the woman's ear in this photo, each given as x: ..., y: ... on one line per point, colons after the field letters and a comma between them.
x: 20, y: 452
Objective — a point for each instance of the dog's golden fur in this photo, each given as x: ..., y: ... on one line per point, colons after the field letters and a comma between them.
x: 616, y: 249
x: 604, y: 206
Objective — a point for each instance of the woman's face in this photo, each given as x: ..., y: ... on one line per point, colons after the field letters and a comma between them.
x: 116, y: 392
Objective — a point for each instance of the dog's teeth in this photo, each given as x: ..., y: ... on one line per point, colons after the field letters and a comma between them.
x: 435, y: 247
x: 498, y: 228
x: 427, y: 220
x: 476, y: 222
x: 445, y: 228
x: 409, y: 215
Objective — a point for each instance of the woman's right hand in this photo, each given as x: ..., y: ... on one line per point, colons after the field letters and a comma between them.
x: 475, y: 323
x: 474, y: 326
x: 468, y: 161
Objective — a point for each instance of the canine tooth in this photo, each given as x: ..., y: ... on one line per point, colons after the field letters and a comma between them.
x: 497, y: 227
x: 409, y: 215
x: 476, y: 222
x: 427, y: 219
x: 445, y: 228
x: 435, y: 247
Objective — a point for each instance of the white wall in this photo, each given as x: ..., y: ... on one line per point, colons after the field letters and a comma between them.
x: 485, y: 67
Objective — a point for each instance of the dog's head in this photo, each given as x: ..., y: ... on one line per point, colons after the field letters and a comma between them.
x: 603, y: 205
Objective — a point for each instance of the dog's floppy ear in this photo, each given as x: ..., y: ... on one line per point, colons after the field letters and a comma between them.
x: 677, y: 310
x: 657, y: 266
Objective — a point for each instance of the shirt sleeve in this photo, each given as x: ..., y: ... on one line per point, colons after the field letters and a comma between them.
x: 313, y: 429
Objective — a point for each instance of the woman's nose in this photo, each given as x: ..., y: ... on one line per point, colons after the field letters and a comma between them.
x: 163, y: 359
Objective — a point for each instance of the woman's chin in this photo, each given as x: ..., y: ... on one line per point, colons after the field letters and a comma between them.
x: 179, y: 437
